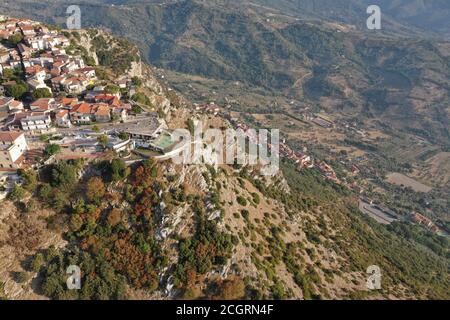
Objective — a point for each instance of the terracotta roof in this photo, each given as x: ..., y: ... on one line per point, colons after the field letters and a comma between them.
x: 5, y: 100
x: 82, y: 108
x: 42, y: 103
x: 54, y: 72
x: 110, y: 99
x: 15, y: 103
x: 33, y: 69
x: 58, y: 79
x: 9, y: 136
x: 67, y: 101
x: 19, y: 160
x: 61, y: 113
x: 27, y: 27
x: 102, y: 110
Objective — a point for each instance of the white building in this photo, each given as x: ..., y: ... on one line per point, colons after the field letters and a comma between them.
x: 34, y: 84
x: 12, y: 148
x: 62, y: 119
x: 15, y: 106
x: 36, y: 122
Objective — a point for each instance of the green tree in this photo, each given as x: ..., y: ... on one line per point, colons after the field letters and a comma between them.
x: 76, y: 222
x: 101, y: 73
x: 118, y: 169
x: 7, y: 74
x: 112, y: 89
x: 21, y: 277
x: 124, y: 136
x: 136, y: 109
x: 17, y: 90
x: 141, y: 98
x: 42, y: 93
x: 45, y: 191
x: 51, y: 150
x: 231, y: 289
x: 242, y: 201
x: 103, y: 140
x: 95, y: 189
x: 44, y: 137
x: 64, y: 175
x: 17, y: 193
x: 90, y: 61
x: 37, y: 262
x: 15, y: 39
x: 30, y: 179
x: 136, y: 81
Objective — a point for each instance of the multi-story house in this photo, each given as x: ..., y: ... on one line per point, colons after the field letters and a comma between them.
x: 44, y: 105
x: 81, y: 113
x: 62, y: 119
x: 12, y: 148
x: 102, y: 112
x: 36, y: 121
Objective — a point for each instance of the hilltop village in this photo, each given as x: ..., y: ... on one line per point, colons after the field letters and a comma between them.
x: 47, y: 92
x: 85, y: 132
x: 54, y: 106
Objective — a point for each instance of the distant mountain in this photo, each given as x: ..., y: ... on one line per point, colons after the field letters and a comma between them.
x: 405, y: 81
x: 408, y: 16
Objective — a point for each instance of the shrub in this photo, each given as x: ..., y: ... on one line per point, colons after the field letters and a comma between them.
x: 51, y: 150
x: 95, y: 189
x: 42, y: 93
x: 21, y: 277
x: 242, y: 201
x: 17, y: 193
x: 37, y: 262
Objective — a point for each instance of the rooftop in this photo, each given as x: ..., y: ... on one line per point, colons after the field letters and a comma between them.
x: 9, y: 136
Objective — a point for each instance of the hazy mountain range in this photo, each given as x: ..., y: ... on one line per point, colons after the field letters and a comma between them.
x: 406, y: 16
x: 268, y: 44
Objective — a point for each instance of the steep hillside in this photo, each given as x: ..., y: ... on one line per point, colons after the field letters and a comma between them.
x: 165, y: 231
x: 149, y: 230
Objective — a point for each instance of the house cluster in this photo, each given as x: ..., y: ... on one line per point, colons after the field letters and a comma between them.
x: 422, y: 220
x: 40, y: 52
x: 327, y: 171
x: 64, y: 112
x: 300, y: 159
x: 210, y: 108
x: 9, y: 57
x: 45, y: 61
x: 101, y: 107
x: 40, y: 56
